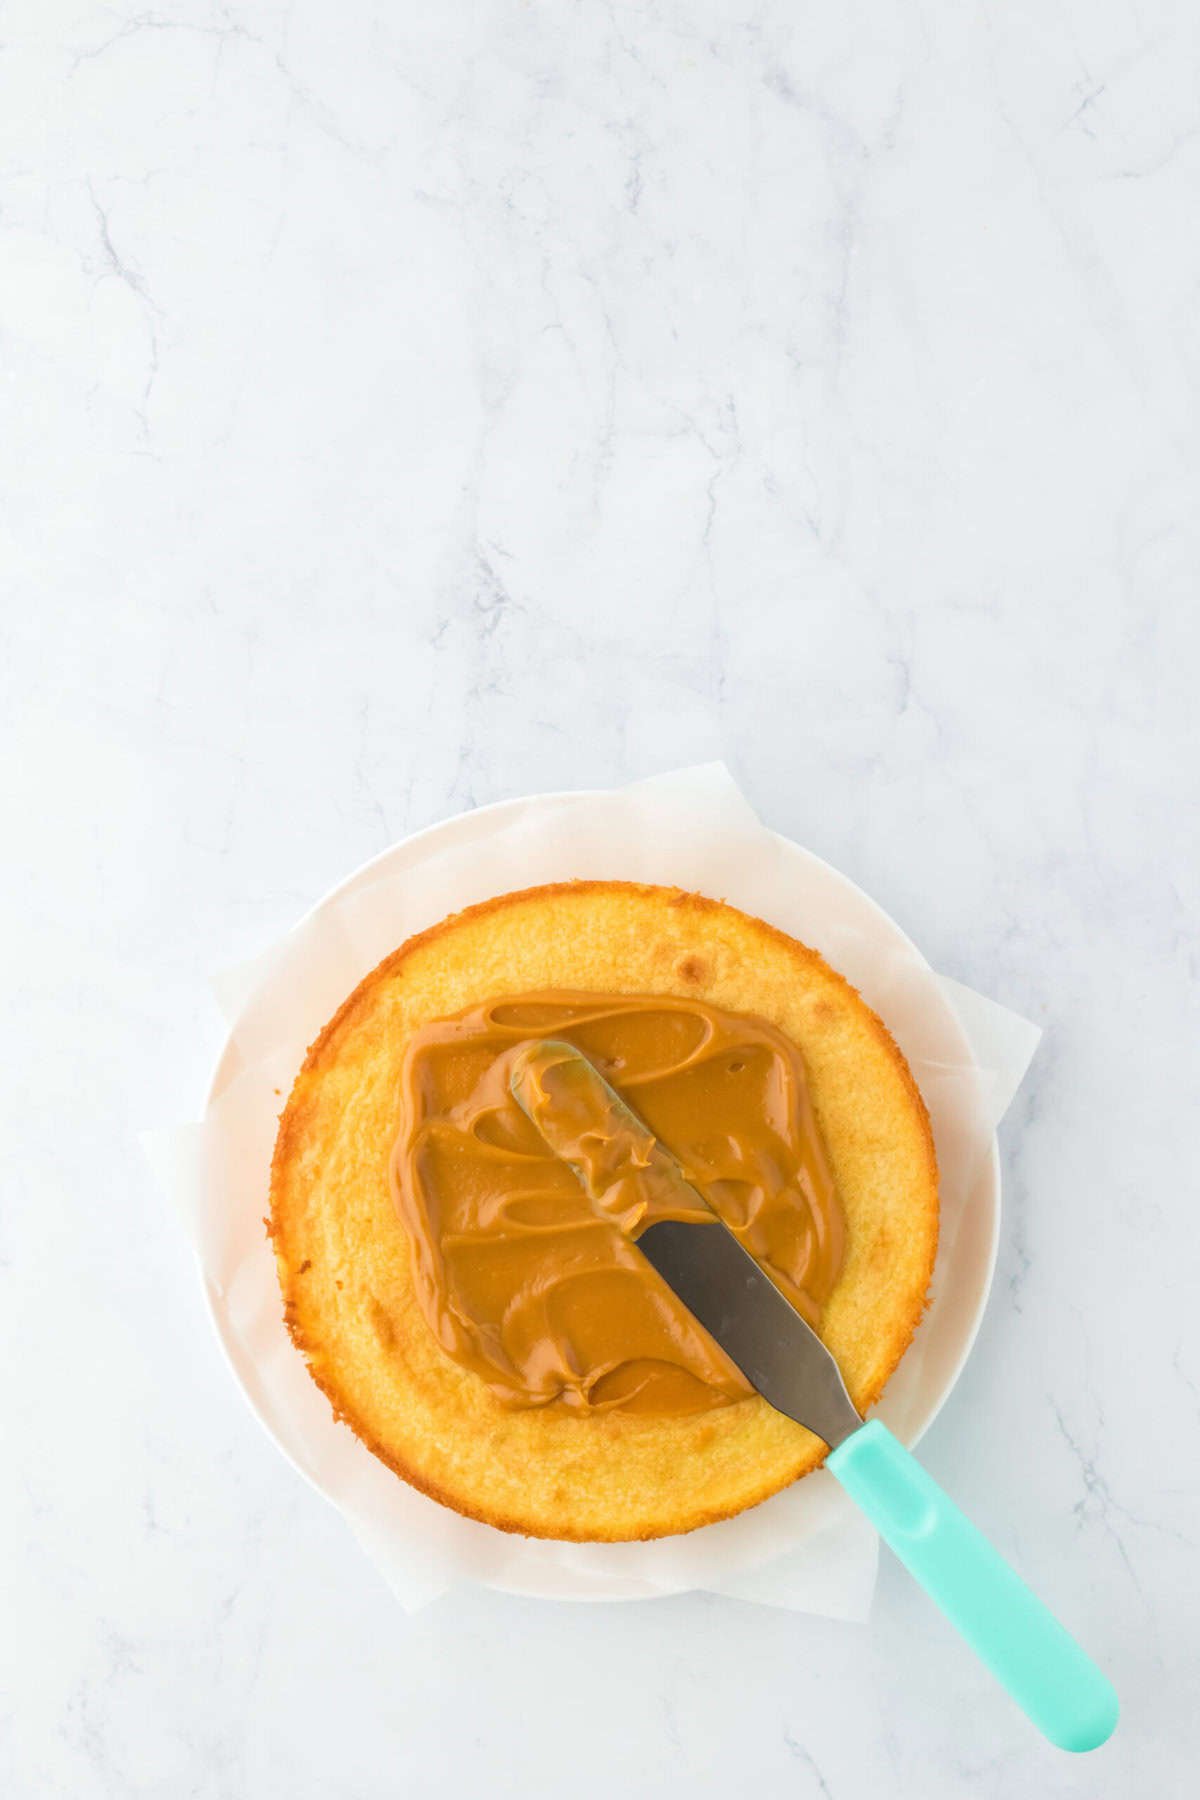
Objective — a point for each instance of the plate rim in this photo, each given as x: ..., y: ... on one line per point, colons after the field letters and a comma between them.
x: 225, y: 1069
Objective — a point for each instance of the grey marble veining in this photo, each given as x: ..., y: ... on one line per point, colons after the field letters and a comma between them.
x: 407, y: 407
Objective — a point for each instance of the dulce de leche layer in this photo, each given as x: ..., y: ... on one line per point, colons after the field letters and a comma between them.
x: 536, y: 1284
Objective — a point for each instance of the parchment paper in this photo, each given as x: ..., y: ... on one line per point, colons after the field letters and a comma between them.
x: 806, y: 1548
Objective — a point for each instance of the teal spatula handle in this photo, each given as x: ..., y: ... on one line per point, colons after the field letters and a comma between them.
x: 1022, y: 1643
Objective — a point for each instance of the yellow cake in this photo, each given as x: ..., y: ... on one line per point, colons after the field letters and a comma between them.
x: 421, y: 1349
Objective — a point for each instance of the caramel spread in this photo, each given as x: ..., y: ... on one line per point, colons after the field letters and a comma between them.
x: 529, y: 1275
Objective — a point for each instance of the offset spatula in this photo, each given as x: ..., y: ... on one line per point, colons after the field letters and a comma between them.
x: 1048, y: 1675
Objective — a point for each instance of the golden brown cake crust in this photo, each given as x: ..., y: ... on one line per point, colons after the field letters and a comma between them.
x: 342, y: 1254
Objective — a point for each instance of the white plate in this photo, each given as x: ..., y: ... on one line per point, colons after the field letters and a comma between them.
x: 871, y: 950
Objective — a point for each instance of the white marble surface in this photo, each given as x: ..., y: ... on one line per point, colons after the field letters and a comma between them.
x: 406, y: 406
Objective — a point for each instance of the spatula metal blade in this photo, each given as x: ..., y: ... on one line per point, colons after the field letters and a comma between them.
x: 759, y: 1330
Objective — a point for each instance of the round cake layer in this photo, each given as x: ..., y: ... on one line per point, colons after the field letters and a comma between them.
x: 344, y: 1258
